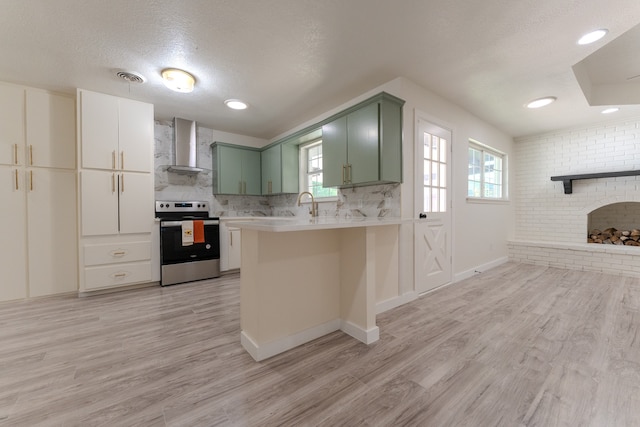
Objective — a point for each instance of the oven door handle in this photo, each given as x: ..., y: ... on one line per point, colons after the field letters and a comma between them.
x: 166, y: 224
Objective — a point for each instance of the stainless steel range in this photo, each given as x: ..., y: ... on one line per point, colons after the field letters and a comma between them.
x: 189, y: 242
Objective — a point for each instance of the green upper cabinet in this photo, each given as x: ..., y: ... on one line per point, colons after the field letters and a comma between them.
x: 280, y: 169
x: 363, y: 145
x: 236, y: 169
x: 271, y: 173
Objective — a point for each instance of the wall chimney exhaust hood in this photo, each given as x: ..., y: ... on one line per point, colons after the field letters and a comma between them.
x: 185, y: 148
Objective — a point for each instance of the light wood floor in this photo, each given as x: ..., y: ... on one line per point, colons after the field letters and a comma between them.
x: 519, y: 345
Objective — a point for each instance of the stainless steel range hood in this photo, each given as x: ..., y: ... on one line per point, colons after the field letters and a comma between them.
x: 185, y: 147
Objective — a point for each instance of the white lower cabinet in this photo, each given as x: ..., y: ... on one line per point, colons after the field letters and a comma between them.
x: 39, y: 228
x: 110, y: 262
x: 107, y: 276
x: 234, y: 248
x: 52, y: 227
x: 13, y: 251
x: 229, y: 246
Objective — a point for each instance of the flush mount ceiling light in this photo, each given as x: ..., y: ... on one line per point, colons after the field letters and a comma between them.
x: 235, y: 104
x: 593, y: 36
x: 541, y: 102
x: 178, y: 80
x: 610, y: 110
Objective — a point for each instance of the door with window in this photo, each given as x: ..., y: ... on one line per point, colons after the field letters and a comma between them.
x: 432, y: 230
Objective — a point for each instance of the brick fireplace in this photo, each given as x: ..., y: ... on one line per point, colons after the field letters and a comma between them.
x: 551, y: 226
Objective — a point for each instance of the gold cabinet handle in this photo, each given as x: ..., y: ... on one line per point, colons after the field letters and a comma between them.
x: 31, y: 154
x: 349, y: 173
x: 15, y: 154
x: 113, y: 159
x: 231, y: 237
x: 344, y: 167
x: 31, y: 180
x: 113, y: 183
x: 122, y: 183
x: 122, y: 160
x: 119, y: 275
x: 118, y: 253
x: 17, y: 182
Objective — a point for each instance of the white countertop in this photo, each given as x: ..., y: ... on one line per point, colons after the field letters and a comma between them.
x: 280, y: 224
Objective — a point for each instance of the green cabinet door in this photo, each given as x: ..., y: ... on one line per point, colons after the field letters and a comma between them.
x: 229, y: 168
x: 271, y: 170
x: 251, y: 172
x: 290, y: 167
x: 334, y: 152
x: 363, y: 145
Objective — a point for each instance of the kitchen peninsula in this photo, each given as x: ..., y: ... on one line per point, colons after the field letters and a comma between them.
x: 302, y: 279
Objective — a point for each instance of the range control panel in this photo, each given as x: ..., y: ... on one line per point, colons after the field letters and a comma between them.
x: 181, y: 207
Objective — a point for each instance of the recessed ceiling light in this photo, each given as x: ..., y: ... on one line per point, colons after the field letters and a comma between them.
x: 593, y: 36
x: 178, y: 80
x: 236, y: 104
x: 541, y: 102
x: 610, y: 110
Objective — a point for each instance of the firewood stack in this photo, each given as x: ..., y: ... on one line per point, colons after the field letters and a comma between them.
x: 612, y: 236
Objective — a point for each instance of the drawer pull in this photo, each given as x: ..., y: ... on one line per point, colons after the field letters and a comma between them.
x: 118, y: 253
x: 120, y: 275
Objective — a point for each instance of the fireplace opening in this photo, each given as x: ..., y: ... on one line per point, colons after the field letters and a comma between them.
x: 615, y: 224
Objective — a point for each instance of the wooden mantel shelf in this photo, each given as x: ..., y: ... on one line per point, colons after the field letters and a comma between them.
x: 567, y: 180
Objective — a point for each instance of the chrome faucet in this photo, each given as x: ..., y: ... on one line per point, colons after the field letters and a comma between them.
x: 314, y: 205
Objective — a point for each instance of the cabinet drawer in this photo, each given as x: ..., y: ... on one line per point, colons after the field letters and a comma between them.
x: 99, y: 254
x: 117, y: 275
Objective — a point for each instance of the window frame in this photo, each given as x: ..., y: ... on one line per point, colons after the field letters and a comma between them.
x: 483, y: 148
x: 304, y: 172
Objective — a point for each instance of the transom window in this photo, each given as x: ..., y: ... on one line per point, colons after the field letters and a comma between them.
x: 486, y: 172
x: 311, y: 171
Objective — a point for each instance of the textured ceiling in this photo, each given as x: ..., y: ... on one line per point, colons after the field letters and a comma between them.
x: 291, y: 60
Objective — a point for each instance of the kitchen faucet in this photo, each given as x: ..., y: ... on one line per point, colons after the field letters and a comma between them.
x: 314, y: 205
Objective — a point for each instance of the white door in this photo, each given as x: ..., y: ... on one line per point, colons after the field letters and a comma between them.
x: 52, y: 232
x: 11, y: 125
x: 432, y: 231
x: 13, y: 251
x: 135, y: 135
x: 99, y: 130
x: 136, y: 203
x: 99, y: 202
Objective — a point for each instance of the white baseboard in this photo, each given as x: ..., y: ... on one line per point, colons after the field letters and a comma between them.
x: 366, y: 336
x: 394, y: 302
x: 272, y: 348
x: 479, y: 269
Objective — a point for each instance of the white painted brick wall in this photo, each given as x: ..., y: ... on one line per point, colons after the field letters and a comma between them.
x: 556, y: 222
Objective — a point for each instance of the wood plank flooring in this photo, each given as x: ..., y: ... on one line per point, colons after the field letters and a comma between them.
x: 518, y: 345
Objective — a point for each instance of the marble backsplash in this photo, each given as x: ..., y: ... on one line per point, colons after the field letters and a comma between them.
x: 370, y: 201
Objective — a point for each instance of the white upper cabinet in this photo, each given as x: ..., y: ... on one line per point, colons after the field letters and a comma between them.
x: 135, y: 135
x: 51, y: 130
x: 11, y: 125
x: 117, y: 133
x: 99, y: 130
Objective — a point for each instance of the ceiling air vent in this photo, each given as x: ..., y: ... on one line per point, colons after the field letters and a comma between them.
x: 130, y: 76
